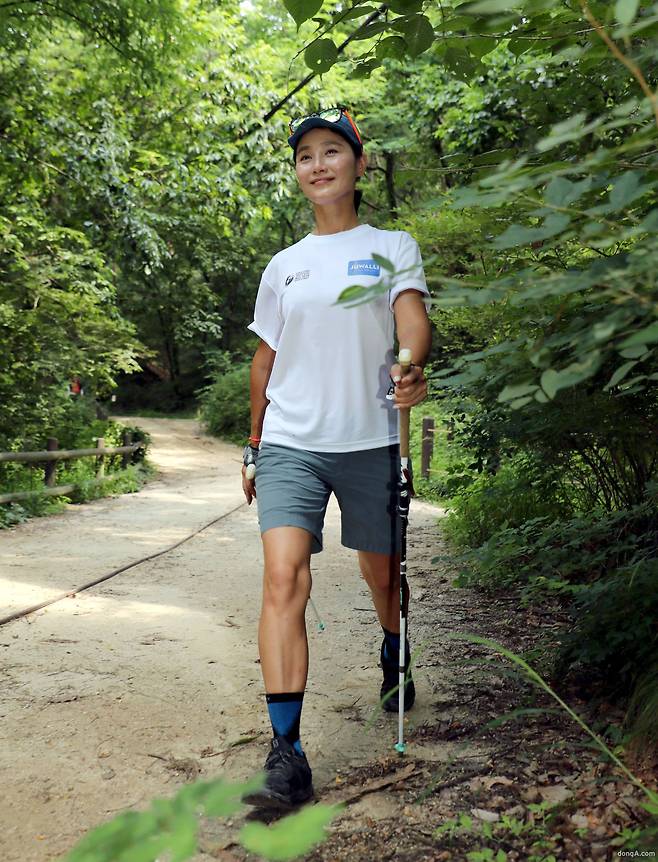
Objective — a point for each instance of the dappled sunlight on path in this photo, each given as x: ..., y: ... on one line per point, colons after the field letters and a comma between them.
x: 126, y: 690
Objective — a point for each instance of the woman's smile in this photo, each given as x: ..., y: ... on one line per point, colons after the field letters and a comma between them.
x: 327, y: 169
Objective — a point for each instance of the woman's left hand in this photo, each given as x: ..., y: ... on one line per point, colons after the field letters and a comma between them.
x: 410, y: 388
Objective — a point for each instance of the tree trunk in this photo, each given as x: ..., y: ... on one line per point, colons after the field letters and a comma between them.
x: 390, y: 183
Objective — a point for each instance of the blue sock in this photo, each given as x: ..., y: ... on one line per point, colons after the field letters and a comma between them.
x: 391, y: 645
x: 285, y: 713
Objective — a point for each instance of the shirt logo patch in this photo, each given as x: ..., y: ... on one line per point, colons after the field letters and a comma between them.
x: 363, y: 267
x: 298, y: 276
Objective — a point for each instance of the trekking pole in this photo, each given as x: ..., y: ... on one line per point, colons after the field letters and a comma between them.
x: 404, y: 359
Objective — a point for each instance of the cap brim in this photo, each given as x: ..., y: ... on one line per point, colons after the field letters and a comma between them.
x: 320, y: 123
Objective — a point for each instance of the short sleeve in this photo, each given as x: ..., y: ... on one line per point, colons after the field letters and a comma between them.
x: 267, y: 322
x: 409, y: 264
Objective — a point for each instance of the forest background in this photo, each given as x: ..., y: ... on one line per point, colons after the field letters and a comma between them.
x: 145, y: 181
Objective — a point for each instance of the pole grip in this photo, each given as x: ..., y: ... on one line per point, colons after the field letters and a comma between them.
x: 404, y: 360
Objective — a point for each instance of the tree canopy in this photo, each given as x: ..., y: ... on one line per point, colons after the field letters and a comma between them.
x: 146, y: 180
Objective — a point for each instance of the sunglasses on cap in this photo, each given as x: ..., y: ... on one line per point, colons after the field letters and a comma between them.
x: 331, y: 115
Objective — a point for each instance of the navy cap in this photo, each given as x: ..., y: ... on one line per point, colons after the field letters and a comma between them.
x: 343, y: 127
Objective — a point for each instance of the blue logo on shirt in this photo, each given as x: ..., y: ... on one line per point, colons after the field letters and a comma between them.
x: 363, y: 267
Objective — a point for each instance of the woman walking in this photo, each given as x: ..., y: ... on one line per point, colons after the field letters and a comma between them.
x: 322, y: 421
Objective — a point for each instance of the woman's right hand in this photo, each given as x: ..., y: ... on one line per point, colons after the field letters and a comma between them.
x: 248, y: 486
x: 249, y: 459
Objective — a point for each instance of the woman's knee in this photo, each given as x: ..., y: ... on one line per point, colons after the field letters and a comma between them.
x: 286, y: 584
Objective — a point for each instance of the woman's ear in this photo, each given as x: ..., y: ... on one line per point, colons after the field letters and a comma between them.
x: 362, y: 163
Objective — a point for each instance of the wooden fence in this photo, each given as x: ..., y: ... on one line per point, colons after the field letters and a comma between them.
x: 52, y: 454
x: 427, y: 446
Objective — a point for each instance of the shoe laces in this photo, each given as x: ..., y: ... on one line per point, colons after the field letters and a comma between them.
x: 279, y: 757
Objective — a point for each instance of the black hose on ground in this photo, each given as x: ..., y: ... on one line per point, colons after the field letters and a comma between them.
x: 72, y: 593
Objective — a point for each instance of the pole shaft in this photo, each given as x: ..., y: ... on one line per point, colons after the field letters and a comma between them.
x: 405, y: 365
x: 403, y: 509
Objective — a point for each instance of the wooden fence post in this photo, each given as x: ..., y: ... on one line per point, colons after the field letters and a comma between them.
x: 50, y: 467
x: 100, y: 461
x: 126, y: 440
x: 427, y: 446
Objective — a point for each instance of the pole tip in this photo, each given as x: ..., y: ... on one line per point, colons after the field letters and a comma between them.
x: 404, y: 356
x: 400, y: 747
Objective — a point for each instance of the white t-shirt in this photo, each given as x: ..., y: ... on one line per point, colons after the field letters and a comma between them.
x: 328, y: 384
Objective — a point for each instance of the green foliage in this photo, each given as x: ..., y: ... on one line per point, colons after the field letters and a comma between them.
x: 37, y: 506
x: 224, y: 405
x: 80, y: 473
x: 643, y: 708
x: 77, y: 428
x: 606, y: 566
x: 126, y: 481
x: 442, y: 463
x: 158, y: 398
x: 541, y: 553
x: 131, y: 216
x: 289, y: 838
x: 321, y: 55
x: 80, y: 427
x: 518, y: 493
x: 58, y: 320
x: 136, y: 29
x: 169, y: 827
x: 535, y: 832
x: 615, y: 624
x: 582, y: 282
x: 302, y: 10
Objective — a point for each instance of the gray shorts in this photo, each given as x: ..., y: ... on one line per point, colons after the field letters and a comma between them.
x: 293, y: 488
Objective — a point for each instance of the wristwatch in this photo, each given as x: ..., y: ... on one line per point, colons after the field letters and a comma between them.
x: 249, y: 458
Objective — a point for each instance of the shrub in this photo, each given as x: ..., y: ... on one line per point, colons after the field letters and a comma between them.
x: 519, y: 492
x: 615, y: 626
x: 606, y: 567
x: 77, y: 428
x: 225, y: 406
x: 542, y: 556
x: 436, y: 486
x: 122, y: 482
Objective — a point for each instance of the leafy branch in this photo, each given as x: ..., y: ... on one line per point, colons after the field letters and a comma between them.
x: 630, y: 64
x: 300, y: 86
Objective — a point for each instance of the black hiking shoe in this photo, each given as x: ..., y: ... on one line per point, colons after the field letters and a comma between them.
x: 391, y: 681
x: 287, y: 779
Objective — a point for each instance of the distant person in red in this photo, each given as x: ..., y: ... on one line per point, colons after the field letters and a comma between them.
x: 75, y: 387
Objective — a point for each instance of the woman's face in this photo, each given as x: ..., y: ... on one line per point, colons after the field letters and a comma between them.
x: 326, y: 166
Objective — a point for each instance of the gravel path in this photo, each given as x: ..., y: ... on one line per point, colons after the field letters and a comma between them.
x: 133, y: 687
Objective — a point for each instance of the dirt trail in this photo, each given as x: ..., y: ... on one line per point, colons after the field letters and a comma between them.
x: 133, y: 687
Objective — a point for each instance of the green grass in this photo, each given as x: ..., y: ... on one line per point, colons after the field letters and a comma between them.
x: 444, y: 455
x: 125, y: 481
